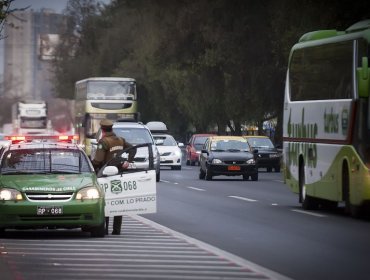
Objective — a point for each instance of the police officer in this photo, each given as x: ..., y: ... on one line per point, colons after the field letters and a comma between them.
x: 108, y: 147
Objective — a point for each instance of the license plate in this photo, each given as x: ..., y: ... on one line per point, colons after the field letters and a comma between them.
x: 233, y: 168
x: 49, y: 210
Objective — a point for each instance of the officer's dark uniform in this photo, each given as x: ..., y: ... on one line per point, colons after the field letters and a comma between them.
x: 107, y: 149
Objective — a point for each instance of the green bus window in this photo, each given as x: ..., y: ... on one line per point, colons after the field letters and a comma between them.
x: 322, y: 72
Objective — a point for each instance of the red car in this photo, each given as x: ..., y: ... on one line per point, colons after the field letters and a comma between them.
x: 194, y: 147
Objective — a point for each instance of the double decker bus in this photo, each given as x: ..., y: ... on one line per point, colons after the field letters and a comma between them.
x: 102, y: 98
x: 326, y: 127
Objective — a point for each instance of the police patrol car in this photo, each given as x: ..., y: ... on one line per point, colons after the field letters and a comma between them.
x: 47, y: 184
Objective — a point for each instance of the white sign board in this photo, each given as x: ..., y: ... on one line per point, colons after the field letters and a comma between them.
x: 130, y: 193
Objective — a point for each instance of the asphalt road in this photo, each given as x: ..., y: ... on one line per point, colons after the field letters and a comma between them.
x: 263, y: 222
x: 226, y: 228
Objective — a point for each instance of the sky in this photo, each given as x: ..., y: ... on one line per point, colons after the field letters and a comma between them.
x: 57, y: 5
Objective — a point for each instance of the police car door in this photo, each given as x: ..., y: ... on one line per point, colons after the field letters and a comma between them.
x: 133, y: 190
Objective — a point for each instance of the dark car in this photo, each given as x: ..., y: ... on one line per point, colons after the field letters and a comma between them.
x: 194, y: 146
x: 227, y: 155
x: 268, y: 156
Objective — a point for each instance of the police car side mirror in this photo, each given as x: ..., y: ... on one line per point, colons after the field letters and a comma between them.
x: 94, y: 142
x: 110, y: 171
x: 180, y: 144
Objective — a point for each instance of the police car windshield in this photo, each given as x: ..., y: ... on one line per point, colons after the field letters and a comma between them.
x: 133, y: 135
x: 44, y: 161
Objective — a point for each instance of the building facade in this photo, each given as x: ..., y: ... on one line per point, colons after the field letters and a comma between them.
x: 29, y: 45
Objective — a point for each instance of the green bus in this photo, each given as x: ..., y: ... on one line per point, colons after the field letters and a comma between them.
x: 102, y: 98
x: 326, y: 127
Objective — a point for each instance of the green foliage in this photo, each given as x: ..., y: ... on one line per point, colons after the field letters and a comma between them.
x: 4, y: 12
x: 199, y: 64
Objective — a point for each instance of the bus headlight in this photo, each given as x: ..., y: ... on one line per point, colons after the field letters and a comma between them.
x: 10, y: 194
x: 88, y: 193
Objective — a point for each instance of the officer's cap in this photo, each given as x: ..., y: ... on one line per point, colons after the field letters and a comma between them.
x: 106, y: 122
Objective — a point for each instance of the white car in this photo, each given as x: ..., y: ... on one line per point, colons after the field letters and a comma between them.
x: 169, y: 150
x: 135, y: 133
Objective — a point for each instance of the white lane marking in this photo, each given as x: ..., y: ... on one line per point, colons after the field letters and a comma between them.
x: 196, y: 189
x: 274, y: 204
x: 243, y: 198
x: 309, y: 213
x: 279, y: 181
x: 168, y: 182
x: 214, y: 250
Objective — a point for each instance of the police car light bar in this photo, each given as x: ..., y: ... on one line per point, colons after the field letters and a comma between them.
x: 67, y: 137
x: 15, y: 138
x: 41, y: 137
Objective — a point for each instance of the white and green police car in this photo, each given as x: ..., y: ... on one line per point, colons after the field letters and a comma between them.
x: 49, y: 185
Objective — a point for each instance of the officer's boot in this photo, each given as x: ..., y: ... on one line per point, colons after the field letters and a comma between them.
x: 117, y: 223
x: 106, y: 225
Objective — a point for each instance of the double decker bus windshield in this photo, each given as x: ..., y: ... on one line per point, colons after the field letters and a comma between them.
x: 108, y: 90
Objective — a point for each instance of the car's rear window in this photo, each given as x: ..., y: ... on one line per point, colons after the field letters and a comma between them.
x: 41, y: 161
x: 200, y: 140
x: 134, y: 136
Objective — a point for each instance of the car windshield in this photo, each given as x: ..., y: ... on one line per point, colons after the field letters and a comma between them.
x: 199, y: 141
x: 229, y: 146
x: 261, y: 143
x: 134, y: 135
x: 44, y: 161
x: 167, y: 140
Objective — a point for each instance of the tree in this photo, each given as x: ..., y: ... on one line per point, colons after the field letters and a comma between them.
x: 4, y: 12
x: 200, y: 64
x: 73, y: 57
